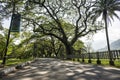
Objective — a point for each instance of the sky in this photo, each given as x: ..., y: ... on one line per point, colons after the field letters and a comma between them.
x: 98, y: 40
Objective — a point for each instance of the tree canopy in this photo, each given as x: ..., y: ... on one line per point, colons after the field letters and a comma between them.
x: 65, y: 20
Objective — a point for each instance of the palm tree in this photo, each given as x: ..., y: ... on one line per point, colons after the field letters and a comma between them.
x: 107, y: 8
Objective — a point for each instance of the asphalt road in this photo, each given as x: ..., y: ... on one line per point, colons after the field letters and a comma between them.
x: 54, y: 69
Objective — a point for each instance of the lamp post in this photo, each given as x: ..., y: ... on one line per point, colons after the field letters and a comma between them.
x: 8, y: 37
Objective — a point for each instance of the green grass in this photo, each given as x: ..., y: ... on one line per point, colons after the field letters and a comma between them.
x: 104, y: 62
x: 14, y: 61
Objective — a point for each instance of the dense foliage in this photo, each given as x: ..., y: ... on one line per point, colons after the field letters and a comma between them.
x: 51, y: 27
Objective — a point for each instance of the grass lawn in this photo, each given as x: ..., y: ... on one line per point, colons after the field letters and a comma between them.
x: 14, y: 61
x: 104, y: 62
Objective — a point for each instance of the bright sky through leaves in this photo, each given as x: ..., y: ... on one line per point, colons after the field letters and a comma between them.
x: 99, y: 39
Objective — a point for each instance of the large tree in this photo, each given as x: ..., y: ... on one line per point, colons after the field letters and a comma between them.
x: 107, y: 8
x: 66, y: 20
x: 60, y: 16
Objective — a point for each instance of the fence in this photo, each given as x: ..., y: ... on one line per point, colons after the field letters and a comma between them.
x: 96, y: 55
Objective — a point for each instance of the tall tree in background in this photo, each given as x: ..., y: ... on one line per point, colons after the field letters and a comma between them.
x: 107, y: 8
x: 66, y: 20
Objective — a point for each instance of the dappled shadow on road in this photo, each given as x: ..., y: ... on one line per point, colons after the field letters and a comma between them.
x: 54, y: 69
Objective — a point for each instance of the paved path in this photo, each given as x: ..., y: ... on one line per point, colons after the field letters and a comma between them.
x: 54, y: 69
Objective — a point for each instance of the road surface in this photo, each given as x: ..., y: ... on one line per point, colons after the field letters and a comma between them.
x: 55, y: 69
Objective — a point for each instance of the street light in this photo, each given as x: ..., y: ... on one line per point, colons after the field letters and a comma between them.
x: 8, y: 37
x: 14, y: 27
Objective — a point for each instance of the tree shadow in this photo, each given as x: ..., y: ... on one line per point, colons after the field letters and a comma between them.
x: 54, y: 69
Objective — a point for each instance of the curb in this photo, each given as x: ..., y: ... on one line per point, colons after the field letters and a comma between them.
x: 14, y: 68
x: 6, y: 71
x: 21, y: 66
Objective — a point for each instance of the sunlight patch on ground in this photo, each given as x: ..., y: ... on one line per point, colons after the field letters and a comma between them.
x: 107, y: 68
x: 78, y: 70
x: 81, y: 79
x: 90, y: 73
x: 27, y: 79
x: 70, y: 74
x: 97, y: 71
x: 43, y: 72
x: 68, y: 69
x: 27, y: 74
x: 33, y: 67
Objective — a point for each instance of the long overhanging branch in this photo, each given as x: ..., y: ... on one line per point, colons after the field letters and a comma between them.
x: 79, y: 33
x: 57, y: 21
x: 46, y: 32
x: 90, y: 31
x: 78, y: 7
x: 86, y: 18
x: 51, y: 34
